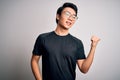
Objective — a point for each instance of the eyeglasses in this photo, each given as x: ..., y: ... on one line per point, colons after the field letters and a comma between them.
x: 68, y: 15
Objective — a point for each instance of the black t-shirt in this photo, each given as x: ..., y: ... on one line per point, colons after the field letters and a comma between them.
x: 59, y: 55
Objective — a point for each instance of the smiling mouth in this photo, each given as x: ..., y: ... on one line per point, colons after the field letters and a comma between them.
x: 68, y: 23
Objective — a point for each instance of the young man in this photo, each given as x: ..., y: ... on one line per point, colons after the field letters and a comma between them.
x: 60, y: 50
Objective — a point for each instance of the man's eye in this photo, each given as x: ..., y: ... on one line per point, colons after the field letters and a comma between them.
x: 67, y: 13
x: 74, y: 17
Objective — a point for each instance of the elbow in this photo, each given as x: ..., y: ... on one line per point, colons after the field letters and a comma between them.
x: 84, y: 71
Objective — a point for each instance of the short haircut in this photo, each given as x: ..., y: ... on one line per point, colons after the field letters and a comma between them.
x: 67, y: 4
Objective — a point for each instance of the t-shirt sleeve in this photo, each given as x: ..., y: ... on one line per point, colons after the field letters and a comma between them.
x: 38, y: 46
x: 80, y: 51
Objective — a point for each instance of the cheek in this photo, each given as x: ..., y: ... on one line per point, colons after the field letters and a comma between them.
x: 73, y: 22
x: 63, y: 20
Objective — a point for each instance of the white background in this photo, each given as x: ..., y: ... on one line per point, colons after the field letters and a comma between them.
x: 21, y: 21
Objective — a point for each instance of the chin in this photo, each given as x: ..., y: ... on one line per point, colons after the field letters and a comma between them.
x: 67, y: 27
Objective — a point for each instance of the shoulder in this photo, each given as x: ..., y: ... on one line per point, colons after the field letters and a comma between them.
x: 44, y: 35
x: 77, y: 40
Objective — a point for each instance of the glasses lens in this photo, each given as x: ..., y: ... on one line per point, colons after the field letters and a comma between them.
x: 68, y: 14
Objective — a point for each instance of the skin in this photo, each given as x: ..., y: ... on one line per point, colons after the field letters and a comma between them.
x: 62, y: 29
x: 64, y: 23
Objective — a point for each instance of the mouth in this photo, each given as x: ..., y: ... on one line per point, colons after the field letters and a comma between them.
x: 68, y: 23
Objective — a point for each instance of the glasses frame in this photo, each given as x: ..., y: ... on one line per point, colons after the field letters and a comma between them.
x: 69, y: 15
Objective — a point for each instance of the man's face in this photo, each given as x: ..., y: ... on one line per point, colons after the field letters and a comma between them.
x: 67, y: 18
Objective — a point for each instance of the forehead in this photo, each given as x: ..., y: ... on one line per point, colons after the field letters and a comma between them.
x: 72, y: 11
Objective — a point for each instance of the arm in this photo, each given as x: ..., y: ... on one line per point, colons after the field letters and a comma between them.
x: 35, y: 67
x: 85, y: 64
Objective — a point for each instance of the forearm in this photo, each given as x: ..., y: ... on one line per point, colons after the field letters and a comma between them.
x: 36, y: 70
x: 85, y: 64
x: 88, y: 61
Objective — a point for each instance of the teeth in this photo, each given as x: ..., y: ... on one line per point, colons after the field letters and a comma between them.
x: 68, y: 23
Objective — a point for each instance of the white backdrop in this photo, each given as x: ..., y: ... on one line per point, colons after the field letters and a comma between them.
x: 21, y: 21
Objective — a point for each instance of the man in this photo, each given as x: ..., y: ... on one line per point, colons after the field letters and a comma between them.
x: 60, y: 50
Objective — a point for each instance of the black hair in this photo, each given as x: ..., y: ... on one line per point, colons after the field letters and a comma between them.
x: 67, y: 4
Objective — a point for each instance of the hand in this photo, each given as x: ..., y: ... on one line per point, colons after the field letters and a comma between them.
x: 94, y: 40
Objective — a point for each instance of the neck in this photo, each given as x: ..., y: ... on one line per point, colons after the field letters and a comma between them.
x: 61, y: 31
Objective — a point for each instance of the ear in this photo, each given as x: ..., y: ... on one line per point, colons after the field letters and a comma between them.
x: 57, y: 16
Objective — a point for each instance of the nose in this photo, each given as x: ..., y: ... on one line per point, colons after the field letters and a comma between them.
x: 70, y: 18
